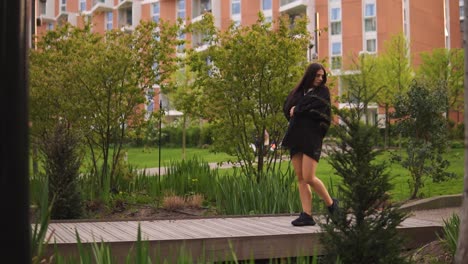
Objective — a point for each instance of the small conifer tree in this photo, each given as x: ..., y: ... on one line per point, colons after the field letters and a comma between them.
x: 62, y: 160
x: 365, y: 228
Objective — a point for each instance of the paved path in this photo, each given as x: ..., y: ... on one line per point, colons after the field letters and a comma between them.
x: 213, y: 165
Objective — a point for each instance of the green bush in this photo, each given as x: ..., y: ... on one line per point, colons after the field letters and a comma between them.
x: 62, y: 161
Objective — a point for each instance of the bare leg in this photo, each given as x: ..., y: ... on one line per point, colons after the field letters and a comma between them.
x: 304, y: 188
x: 309, y: 166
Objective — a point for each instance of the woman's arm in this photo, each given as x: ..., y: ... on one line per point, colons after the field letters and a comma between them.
x: 315, y: 105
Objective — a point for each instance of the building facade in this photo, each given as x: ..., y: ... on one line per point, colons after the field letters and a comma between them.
x: 340, y: 29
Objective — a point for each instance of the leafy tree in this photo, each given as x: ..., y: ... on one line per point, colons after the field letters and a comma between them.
x: 420, y: 112
x: 187, y: 98
x: 362, y: 86
x: 365, y: 231
x: 394, y: 75
x: 97, y: 82
x: 445, y: 67
x: 244, y: 78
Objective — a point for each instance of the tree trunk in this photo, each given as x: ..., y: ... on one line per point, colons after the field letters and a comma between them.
x: 387, y: 126
x: 184, y: 135
x: 462, y: 247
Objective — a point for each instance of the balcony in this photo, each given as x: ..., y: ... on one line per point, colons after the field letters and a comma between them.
x: 293, y: 7
x: 125, y: 18
x: 200, y: 7
x: 101, y: 6
x: 124, y: 4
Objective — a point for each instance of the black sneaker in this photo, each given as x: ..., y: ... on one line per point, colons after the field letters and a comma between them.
x: 334, y: 208
x: 303, y: 220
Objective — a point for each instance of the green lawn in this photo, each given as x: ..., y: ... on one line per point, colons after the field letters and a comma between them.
x: 149, y: 157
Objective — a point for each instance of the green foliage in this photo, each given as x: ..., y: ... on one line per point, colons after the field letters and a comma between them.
x: 244, y: 86
x: 39, y: 231
x: 446, y: 68
x: 62, y: 161
x: 394, y: 74
x: 420, y: 114
x: 451, y: 233
x: 362, y: 87
x: 72, y: 79
x: 365, y: 230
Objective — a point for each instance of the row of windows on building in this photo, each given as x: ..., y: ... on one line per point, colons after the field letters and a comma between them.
x: 369, y: 29
x: 335, y: 11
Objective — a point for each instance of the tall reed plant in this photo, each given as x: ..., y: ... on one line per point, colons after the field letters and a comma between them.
x: 241, y: 195
x: 450, y: 234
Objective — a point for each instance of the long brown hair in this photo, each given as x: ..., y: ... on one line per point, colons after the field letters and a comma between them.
x: 306, y: 80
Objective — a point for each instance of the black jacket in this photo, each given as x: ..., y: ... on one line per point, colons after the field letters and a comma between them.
x: 310, y: 122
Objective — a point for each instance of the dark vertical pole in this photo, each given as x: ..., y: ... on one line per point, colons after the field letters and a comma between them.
x: 317, y: 33
x: 159, y: 144
x: 14, y: 132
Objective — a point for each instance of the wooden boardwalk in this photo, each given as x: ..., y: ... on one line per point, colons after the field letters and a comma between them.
x: 215, y: 239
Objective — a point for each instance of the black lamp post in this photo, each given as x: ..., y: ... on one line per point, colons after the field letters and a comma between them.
x: 159, y: 143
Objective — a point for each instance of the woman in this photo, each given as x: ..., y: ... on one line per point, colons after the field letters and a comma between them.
x: 308, y: 111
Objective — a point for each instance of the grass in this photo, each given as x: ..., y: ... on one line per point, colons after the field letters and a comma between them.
x: 400, y: 177
x: 149, y: 157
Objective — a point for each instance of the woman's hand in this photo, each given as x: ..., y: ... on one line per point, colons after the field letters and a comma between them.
x: 291, y: 111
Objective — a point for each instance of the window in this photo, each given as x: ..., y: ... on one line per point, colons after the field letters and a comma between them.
x: 335, y: 14
x: 205, y: 5
x: 42, y: 8
x: 335, y: 18
x: 371, y: 45
x: 181, y: 47
x: 336, y: 48
x: 50, y: 26
x: 181, y: 9
x: 128, y: 16
x: 369, y: 18
x: 336, y: 62
x: 461, y: 3
x: 156, y: 12
x: 235, y: 7
x: 266, y: 5
x: 82, y: 5
x: 109, y: 18
x: 336, y: 55
x: 63, y: 5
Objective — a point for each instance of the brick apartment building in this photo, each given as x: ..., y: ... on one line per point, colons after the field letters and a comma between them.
x: 354, y: 26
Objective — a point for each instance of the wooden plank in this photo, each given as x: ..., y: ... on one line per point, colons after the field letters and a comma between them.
x: 224, y: 225
x: 258, y: 237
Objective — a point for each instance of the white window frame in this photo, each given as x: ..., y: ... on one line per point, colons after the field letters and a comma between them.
x: 156, y: 16
x: 268, y: 13
x: 368, y: 46
x: 335, y: 20
x: 236, y: 17
x: 63, y: 5
x: 461, y: 4
x: 109, y: 20
x: 82, y: 5
x: 369, y: 35
x: 336, y: 55
x: 335, y: 39
x: 370, y: 17
x: 263, y: 5
x: 180, y: 10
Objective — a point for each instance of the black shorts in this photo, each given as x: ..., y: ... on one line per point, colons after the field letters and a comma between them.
x: 315, y: 153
